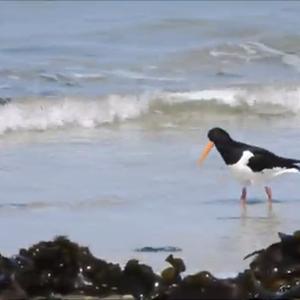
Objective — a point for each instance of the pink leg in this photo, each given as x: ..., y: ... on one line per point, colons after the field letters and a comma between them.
x: 269, y: 193
x: 244, y: 195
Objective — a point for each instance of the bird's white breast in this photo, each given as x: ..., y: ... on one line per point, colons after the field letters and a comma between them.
x: 243, y: 173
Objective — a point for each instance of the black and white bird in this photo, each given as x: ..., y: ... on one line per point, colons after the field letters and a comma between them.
x: 248, y: 164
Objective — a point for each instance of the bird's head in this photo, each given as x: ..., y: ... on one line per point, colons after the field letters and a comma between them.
x: 216, y: 136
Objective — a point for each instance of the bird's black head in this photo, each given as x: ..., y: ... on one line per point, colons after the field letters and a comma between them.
x: 218, y: 136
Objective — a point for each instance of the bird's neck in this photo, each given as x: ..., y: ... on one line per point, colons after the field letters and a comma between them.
x: 229, y: 152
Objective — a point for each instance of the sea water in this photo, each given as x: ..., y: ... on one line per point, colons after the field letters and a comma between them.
x: 105, y: 110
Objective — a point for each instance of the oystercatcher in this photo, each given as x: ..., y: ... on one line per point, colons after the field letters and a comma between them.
x: 248, y: 164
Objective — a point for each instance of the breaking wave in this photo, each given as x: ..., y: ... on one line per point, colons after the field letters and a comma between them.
x: 52, y: 113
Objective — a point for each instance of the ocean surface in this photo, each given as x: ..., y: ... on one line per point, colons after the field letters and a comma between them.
x: 104, y: 110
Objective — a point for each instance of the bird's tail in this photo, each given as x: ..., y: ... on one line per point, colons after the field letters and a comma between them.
x: 296, y: 167
x: 292, y: 161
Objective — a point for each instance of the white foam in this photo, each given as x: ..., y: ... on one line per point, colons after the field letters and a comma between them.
x: 88, y: 75
x: 252, y: 50
x: 219, y: 53
x: 226, y: 96
x: 142, y: 76
x: 43, y: 114
x: 266, y: 99
x: 292, y: 60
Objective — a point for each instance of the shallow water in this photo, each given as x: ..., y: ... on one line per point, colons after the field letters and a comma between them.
x: 131, y: 188
x: 108, y: 116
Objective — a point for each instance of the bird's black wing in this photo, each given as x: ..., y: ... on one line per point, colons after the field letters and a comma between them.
x: 264, y: 159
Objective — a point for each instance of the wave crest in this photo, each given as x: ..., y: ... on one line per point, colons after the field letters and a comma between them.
x: 43, y: 114
x: 52, y: 113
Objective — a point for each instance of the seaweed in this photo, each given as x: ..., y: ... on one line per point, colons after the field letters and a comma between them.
x: 62, y: 269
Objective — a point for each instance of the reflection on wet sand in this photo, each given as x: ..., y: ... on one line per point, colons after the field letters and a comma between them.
x: 253, y: 226
x: 75, y: 205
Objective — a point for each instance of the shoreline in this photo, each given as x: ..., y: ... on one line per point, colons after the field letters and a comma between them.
x: 62, y: 269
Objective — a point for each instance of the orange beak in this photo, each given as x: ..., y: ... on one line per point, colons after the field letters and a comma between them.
x: 205, y: 152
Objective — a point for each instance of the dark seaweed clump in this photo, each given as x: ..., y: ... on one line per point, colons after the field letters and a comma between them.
x: 54, y: 269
